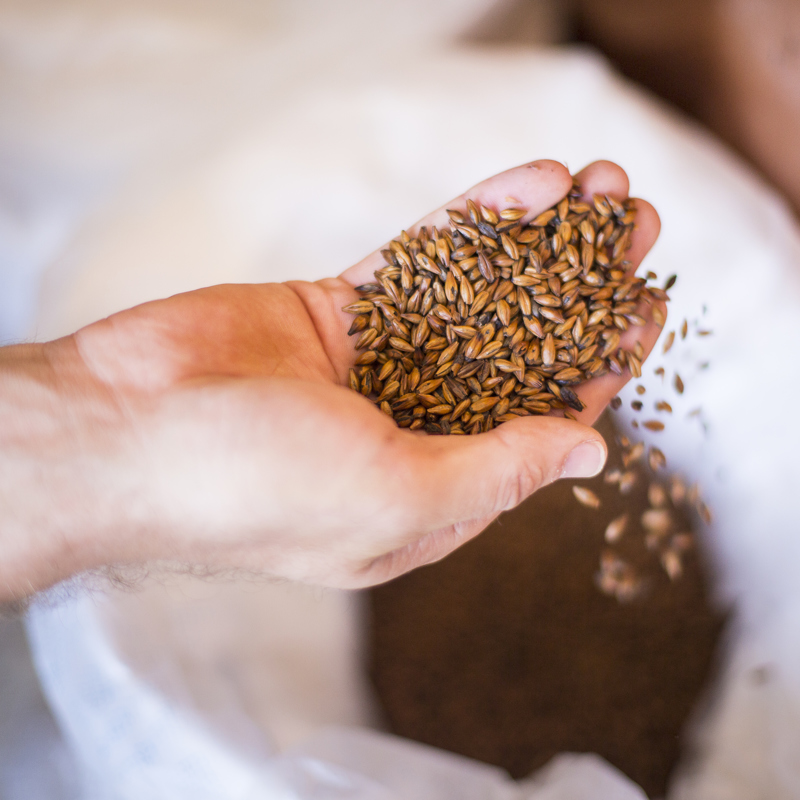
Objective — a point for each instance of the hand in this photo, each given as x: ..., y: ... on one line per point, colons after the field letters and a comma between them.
x: 214, y: 428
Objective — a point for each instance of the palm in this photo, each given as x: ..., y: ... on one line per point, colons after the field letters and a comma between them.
x: 233, y: 331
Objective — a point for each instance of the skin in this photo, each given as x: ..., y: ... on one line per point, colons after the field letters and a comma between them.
x: 214, y: 428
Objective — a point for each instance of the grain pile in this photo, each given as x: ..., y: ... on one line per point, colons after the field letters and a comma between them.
x: 491, y: 319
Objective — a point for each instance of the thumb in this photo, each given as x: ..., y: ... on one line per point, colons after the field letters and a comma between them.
x: 461, y: 484
x: 460, y: 478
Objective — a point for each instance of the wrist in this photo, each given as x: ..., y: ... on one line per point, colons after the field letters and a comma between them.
x: 60, y: 430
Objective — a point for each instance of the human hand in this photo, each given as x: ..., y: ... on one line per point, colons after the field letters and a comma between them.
x: 232, y: 442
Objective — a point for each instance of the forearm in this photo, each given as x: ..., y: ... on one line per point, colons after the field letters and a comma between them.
x: 59, y: 431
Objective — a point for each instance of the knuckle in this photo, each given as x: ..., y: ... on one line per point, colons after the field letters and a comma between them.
x: 522, y: 483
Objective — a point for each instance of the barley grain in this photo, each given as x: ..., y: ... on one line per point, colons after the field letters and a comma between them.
x: 508, y: 307
x: 586, y: 496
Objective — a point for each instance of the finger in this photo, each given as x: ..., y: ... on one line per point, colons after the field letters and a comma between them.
x: 460, y: 478
x: 607, y: 178
x: 535, y: 187
x: 603, y: 177
x: 645, y: 232
x: 457, y: 485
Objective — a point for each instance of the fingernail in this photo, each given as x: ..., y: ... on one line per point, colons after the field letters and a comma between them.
x: 584, y: 461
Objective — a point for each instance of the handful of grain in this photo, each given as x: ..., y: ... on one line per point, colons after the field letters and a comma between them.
x: 492, y: 319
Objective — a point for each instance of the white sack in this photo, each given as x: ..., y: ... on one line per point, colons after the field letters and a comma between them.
x: 371, y: 122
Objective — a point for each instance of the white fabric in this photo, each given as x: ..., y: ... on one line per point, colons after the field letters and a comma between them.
x: 192, y: 147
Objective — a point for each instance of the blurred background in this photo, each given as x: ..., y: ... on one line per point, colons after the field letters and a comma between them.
x: 731, y: 66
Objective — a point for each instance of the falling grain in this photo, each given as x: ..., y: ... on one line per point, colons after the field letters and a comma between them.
x: 703, y: 511
x: 656, y: 495
x: 586, y: 496
x: 657, y: 520
x: 677, y: 490
x: 672, y: 563
x: 653, y: 425
x: 656, y: 459
x: 616, y: 528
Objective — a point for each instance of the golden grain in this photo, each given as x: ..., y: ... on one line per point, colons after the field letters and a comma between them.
x: 499, y: 309
x: 616, y: 528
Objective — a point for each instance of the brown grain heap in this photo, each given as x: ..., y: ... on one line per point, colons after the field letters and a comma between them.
x: 491, y: 319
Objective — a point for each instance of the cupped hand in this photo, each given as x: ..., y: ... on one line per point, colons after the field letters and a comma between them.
x: 244, y: 448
